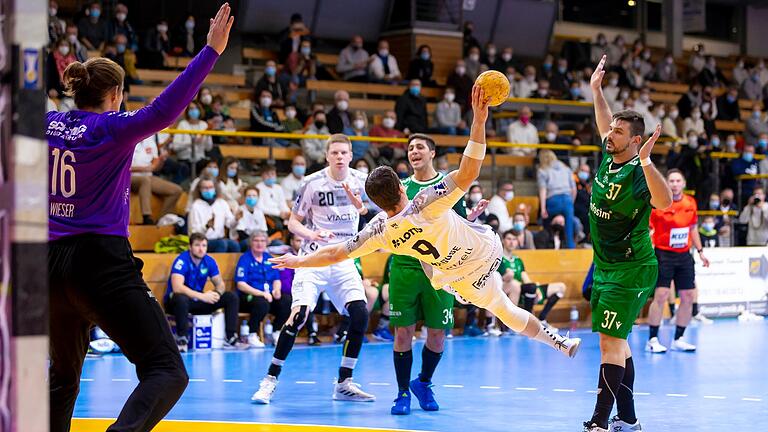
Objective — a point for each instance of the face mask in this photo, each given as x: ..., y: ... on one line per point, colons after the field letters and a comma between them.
x: 731, y: 99
x: 556, y: 228
x: 194, y: 113
x: 424, y: 56
x: 624, y: 94
x: 475, y: 197
x: 208, y: 195
x: 319, y: 124
x: 511, y: 78
x: 561, y: 69
x: 461, y: 70
x: 265, y: 102
x: 524, y: 119
x: 543, y: 92
x: 714, y: 204
x: 231, y: 173
x: 388, y: 123
x: 474, y: 57
x: 402, y: 174
x: 213, y: 171
x: 190, y: 25
x: 731, y: 144
x: 72, y: 38
x: 162, y: 28
x: 363, y: 169
x: 299, y: 170
x: 305, y: 51
x: 613, y: 82
x: 551, y: 136
x: 708, y: 226
x: 673, y: 115
x: 290, y: 114
x: 342, y: 105
x: 491, y: 52
x: 756, y: 114
x: 358, y: 124
x: 506, y: 57
x: 270, y: 70
x: 646, y: 55
x: 206, y: 99
x: 519, y: 226
x: 660, y: 114
x: 748, y: 157
x: 95, y: 13
x: 547, y: 67
x: 383, y: 52
x: 450, y: 97
x: 270, y: 181
x: 415, y: 90
x: 693, y: 142
x: 121, y: 17
x: 508, y: 196
x: 715, y: 142
x: 52, y: 12
x: 63, y: 50
x: 695, y: 115
x: 121, y: 48
x: 645, y: 97
x: 583, y: 176
x: 762, y: 142
x: 575, y: 92
x: 251, y: 201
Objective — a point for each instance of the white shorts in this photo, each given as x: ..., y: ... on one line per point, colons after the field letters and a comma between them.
x: 341, y: 282
x: 480, y: 287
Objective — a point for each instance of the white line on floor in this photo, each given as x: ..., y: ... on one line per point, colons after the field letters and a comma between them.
x: 640, y: 394
x: 751, y: 399
x: 306, y: 382
x: 594, y: 391
x: 714, y: 397
x: 121, y: 379
x: 490, y: 387
x: 231, y: 381
x: 379, y: 384
x: 453, y: 386
x: 564, y: 390
x: 86, y: 379
x: 197, y: 380
x: 526, y: 388
x: 676, y: 395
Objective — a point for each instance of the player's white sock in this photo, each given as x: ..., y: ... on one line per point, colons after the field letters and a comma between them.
x: 546, y: 336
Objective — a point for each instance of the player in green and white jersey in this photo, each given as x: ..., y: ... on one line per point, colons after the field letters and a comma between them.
x: 625, y: 186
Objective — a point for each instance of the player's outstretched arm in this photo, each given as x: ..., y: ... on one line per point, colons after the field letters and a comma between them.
x: 322, y: 257
x: 474, y: 153
x: 661, y: 194
x: 602, y: 109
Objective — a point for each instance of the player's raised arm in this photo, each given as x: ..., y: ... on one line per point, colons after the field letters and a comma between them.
x: 602, y: 109
x: 474, y: 153
x: 661, y: 194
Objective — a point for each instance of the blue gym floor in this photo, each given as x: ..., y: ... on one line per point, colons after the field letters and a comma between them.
x: 485, y: 384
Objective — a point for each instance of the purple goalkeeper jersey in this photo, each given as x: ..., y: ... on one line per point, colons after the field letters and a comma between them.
x: 90, y: 156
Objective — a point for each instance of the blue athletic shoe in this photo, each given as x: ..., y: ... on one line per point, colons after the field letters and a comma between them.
x: 402, y: 405
x: 383, y: 334
x: 425, y: 395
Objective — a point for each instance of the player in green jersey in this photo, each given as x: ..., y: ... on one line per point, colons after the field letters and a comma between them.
x: 625, y: 186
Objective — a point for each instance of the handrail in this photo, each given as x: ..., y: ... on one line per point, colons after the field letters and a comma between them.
x: 717, y: 213
x: 550, y: 102
x: 751, y: 177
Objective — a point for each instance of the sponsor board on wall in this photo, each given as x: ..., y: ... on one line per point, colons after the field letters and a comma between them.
x: 736, y: 280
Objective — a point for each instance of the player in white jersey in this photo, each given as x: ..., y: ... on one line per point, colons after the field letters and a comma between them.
x: 453, y: 251
x: 326, y: 212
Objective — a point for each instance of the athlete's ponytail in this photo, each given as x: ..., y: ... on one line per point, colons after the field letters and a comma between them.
x: 89, y: 83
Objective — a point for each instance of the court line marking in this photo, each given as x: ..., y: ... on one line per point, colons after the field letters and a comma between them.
x: 306, y: 382
x: 121, y: 379
x: 640, y: 394
x: 197, y: 380
x: 564, y: 390
x: 229, y: 426
x: 232, y: 381
x: 594, y: 391
x: 379, y: 384
x: 526, y: 388
x: 714, y: 397
x: 490, y: 387
x: 751, y: 399
x: 86, y: 379
x: 677, y: 395
x: 453, y: 386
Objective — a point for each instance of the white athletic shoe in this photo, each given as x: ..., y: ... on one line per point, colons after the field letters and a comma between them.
x: 567, y: 345
x: 682, y: 345
x: 492, y: 331
x: 348, y: 390
x: 266, y: 390
x: 748, y: 316
x: 618, y: 425
x: 591, y: 427
x: 702, y: 319
x: 654, y: 346
x: 254, y: 341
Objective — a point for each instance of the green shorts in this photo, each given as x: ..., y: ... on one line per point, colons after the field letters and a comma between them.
x: 618, y: 296
x: 412, y: 298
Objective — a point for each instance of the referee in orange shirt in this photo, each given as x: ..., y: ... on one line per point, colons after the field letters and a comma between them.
x: 674, y: 231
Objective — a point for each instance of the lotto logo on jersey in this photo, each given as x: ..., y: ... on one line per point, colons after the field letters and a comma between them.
x: 406, y: 236
x: 440, y: 189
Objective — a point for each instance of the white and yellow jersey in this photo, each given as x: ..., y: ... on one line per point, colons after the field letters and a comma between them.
x: 324, y: 205
x: 450, y: 248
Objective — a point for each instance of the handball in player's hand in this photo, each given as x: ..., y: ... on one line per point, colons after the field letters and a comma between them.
x: 495, y: 85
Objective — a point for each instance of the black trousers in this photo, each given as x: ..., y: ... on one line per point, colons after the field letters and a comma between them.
x: 180, y: 306
x: 259, y: 307
x: 95, y: 279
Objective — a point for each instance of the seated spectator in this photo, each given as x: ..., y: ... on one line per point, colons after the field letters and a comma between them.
x: 269, y: 82
x: 472, y: 63
x: 497, y: 205
x: 643, y: 102
x: 205, y: 100
x: 448, y: 115
x: 762, y: 72
x: 291, y: 123
x: 490, y: 55
x: 421, y: 67
x: 93, y: 28
x: 755, y: 215
x: 272, y: 199
x: 583, y: 194
x: 80, y: 51
x: 542, y: 90
x: 191, y: 148
x: 60, y: 56
x: 671, y: 124
x: 527, y: 85
x: 696, y: 61
x: 532, y: 293
x: 574, y: 92
x: 546, y: 71
x: 473, y: 198
x: 184, y: 295
x: 361, y: 165
x: 728, y: 105
x: 760, y: 147
x: 522, y: 131
x: 229, y: 182
x: 694, y: 122
x: 384, y: 153
x: 126, y: 57
x: 469, y: 40
x: 557, y: 191
x: 653, y: 117
x: 382, y: 66
x: 411, y: 109
x: 314, y: 148
x: 402, y: 169
x: 582, y: 77
x: 646, y: 68
x: 616, y: 50
x: 290, y: 38
x: 251, y: 219
x: 755, y: 126
x: 560, y: 83
x: 708, y: 233
x: 359, y: 128
x: 552, y: 236
x: 710, y: 75
x: 709, y: 109
x: 505, y: 61
x: 204, y: 167
x: 339, y: 117
x: 169, y: 167
x: 258, y: 286
x: 739, y: 73
x: 746, y: 164
x: 508, y: 243
x: 146, y: 160
x: 552, y: 136
x: 187, y: 41
x: 353, y: 61
x: 300, y: 66
x: 157, y: 46
x: 56, y: 25
x: 522, y: 234
x: 292, y: 181
x: 461, y: 84
x: 264, y: 119
x: 217, y: 112
x: 666, y: 70
x: 211, y: 215
x: 119, y: 25
x: 598, y: 48
x: 751, y: 88
x: 689, y: 100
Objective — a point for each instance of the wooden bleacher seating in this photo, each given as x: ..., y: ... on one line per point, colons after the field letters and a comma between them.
x: 157, y: 204
x: 729, y: 126
x: 166, y: 76
x: 258, y: 152
x: 369, y: 89
x: 502, y: 160
x: 152, y: 91
x: 177, y: 62
x: 144, y: 237
x: 531, y: 201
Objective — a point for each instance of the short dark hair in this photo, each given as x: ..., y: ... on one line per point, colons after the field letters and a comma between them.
x: 268, y: 167
x: 635, y: 120
x: 425, y: 137
x: 675, y: 171
x: 500, y: 184
x: 383, y: 187
x: 194, y: 237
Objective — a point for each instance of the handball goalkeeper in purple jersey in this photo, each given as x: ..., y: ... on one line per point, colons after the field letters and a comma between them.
x: 94, y: 279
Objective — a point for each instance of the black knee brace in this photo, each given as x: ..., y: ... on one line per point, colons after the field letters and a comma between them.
x: 528, y: 291
x: 358, y: 316
x: 295, y: 325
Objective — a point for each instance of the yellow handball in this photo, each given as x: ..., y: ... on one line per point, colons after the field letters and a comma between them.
x: 495, y: 84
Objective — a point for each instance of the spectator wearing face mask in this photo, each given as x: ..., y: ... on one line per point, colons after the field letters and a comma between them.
x: 358, y: 128
x: 339, y: 117
x: 574, y: 92
x: 489, y: 55
x: 291, y: 123
x: 546, y: 70
x: 542, y: 90
x: 93, y: 27
x: 119, y: 25
x: 670, y: 125
x: 666, y: 69
x: 383, y: 153
x: 728, y: 105
x: 710, y: 75
x: 353, y: 61
x: 708, y: 233
x: 264, y: 119
x: 506, y: 60
x: 448, y: 115
x: 211, y: 215
x: 751, y: 88
x: 314, y: 148
x: 523, y: 236
x: 229, y: 182
x: 522, y: 131
x: 461, y: 83
x: 652, y: 117
x: 739, y: 72
x: 755, y: 125
x: 552, y: 236
x: 694, y: 122
x: 402, y: 169
x: 474, y: 196
x: 80, y: 51
x: 761, y: 147
x: 527, y: 85
x: 696, y: 61
x: 251, y: 219
x: 598, y: 48
x: 382, y: 66
x: 694, y: 161
x: 204, y: 168
x: 746, y: 164
x: 157, y: 46
x: 421, y: 67
x: 505, y: 192
x: 472, y: 63
x: 552, y: 136
x: 269, y: 82
x: 272, y: 198
x: 56, y: 25
x: 692, y: 98
x: 561, y: 79
x: 191, y: 148
x: 61, y: 55
x: 292, y: 181
x: 755, y: 215
x: 411, y: 109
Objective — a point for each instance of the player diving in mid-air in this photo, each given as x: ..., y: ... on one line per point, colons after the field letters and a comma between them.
x: 454, y: 252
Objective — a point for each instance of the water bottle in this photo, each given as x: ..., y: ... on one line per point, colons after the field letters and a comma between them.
x: 244, y: 332
x: 574, y: 317
x: 268, y: 332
